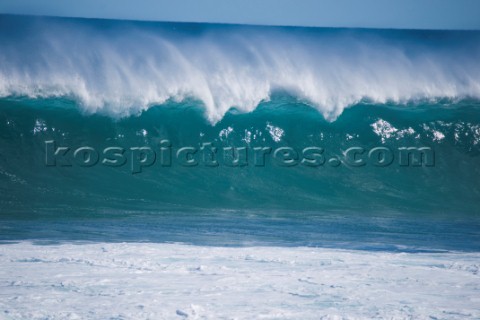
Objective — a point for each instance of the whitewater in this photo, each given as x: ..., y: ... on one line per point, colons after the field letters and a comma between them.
x: 122, y: 68
x: 176, y: 281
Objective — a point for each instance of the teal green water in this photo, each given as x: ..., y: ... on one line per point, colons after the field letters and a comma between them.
x: 450, y: 185
x: 370, y: 207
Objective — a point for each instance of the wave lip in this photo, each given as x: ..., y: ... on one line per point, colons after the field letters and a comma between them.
x: 125, y: 68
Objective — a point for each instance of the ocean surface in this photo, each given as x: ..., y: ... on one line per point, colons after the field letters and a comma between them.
x: 167, y: 170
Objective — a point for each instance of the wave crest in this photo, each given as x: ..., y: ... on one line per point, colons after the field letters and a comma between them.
x: 122, y: 68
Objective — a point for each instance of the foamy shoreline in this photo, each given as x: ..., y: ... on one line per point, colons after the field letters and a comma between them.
x: 175, y: 281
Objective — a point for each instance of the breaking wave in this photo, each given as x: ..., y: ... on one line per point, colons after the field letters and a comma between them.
x: 122, y: 68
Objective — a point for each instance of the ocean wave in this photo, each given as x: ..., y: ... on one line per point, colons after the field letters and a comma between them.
x: 122, y: 68
x: 446, y: 180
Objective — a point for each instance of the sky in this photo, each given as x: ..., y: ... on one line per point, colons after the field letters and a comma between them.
x: 403, y: 14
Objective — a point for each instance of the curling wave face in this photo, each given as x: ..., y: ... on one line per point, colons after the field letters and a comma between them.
x: 443, y: 180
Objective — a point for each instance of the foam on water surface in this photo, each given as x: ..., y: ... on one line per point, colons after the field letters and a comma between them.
x: 175, y: 281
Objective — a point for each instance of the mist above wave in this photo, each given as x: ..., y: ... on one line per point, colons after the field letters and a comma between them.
x: 122, y: 68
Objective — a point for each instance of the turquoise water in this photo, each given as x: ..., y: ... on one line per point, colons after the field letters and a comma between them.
x: 101, y: 84
x: 386, y: 208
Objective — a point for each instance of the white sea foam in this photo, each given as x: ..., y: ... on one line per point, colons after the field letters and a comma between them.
x: 127, y: 70
x: 224, y: 133
x: 383, y: 129
x: 438, y: 136
x: 175, y: 281
x: 276, y: 133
